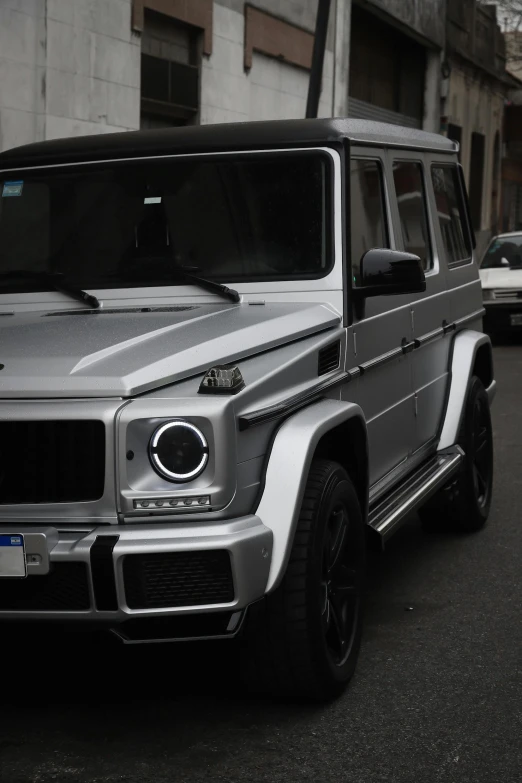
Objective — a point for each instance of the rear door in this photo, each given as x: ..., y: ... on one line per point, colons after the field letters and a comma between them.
x: 430, y: 311
x: 453, y: 237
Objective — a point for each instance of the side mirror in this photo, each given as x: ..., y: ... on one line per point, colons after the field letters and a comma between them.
x: 387, y: 272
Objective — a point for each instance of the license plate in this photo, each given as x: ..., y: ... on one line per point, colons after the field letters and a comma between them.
x: 12, y: 556
x: 516, y: 320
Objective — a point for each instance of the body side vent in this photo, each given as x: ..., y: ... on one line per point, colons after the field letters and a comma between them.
x: 329, y: 358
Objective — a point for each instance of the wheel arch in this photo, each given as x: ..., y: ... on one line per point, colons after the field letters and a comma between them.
x: 483, y: 364
x: 471, y: 355
x: 333, y: 446
x: 316, y: 431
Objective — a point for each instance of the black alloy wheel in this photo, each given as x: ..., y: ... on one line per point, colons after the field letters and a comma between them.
x: 341, y: 595
x: 303, y: 639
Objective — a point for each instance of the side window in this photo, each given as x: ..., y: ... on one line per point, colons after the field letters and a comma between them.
x: 450, y: 209
x: 411, y: 201
x: 368, y: 216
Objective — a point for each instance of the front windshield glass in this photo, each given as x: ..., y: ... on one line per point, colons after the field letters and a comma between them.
x: 503, y: 252
x: 131, y: 224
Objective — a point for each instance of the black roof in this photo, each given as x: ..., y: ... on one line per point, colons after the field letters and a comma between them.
x: 221, y: 138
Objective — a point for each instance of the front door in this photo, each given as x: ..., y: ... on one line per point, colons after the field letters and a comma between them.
x: 379, y: 338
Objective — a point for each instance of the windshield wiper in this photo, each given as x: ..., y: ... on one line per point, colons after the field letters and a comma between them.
x: 56, y: 281
x: 209, y: 285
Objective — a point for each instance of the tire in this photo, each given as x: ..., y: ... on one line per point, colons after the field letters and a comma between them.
x: 303, y: 639
x: 466, y: 502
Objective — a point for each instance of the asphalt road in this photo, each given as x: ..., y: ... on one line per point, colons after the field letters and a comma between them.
x: 437, y: 696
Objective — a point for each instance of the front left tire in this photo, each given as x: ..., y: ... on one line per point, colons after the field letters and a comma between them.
x: 303, y: 639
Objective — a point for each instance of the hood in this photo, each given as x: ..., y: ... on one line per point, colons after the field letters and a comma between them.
x: 122, y: 352
x: 501, y: 278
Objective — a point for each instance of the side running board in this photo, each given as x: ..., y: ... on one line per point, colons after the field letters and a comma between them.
x: 390, y: 512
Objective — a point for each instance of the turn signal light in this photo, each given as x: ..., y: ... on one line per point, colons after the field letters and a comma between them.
x: 222, y: 379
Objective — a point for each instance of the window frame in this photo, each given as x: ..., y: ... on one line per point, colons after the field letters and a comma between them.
x: 387, y: 220
x: 432, y: 268
x: 464, y: 215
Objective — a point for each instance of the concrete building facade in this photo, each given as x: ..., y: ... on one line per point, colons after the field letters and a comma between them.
x: 474, y: 95
x: 71, y: 67
x: 67, y: 67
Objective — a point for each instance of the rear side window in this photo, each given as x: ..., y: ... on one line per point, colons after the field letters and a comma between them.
x: 450, y: 209
x: 411, y: 201
x: 368, y: 216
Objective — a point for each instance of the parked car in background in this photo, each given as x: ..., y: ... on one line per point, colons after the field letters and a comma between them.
x: 501, y: 278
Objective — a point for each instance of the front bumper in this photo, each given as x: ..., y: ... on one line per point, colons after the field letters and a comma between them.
x: 114, y: 573
x: 498, y: 317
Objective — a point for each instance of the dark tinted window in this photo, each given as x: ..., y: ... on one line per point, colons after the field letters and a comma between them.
x: 133, y: 224
x: 503, y: 252
x: 411, y: 200
x: 450, y: 209
x: 368, y: 217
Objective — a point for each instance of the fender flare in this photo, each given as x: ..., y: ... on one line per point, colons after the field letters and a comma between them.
x: 287, y: 471
x: 464, y: 353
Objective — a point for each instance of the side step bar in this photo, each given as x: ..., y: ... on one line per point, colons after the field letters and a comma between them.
x: 390, y: 512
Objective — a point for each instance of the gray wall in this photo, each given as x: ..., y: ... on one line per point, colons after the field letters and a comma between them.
x: 67, y: 67
x: 72, y: 67
x: 301, y: 12
x: 271, y: 89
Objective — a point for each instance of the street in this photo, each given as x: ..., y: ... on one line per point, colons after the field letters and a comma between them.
x: 437, y: 695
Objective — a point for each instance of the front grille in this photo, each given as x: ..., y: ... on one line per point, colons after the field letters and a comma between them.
x: 507, y: 293
x: 51, y: 461
x: 171, y: 579
x: 64, y: 589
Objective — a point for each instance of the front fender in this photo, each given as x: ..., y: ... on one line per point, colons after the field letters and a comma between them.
x: 466, y: 346
x: 288, y: 466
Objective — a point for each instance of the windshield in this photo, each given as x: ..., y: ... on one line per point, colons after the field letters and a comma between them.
x: 503, y: 252
x: 131, y: 224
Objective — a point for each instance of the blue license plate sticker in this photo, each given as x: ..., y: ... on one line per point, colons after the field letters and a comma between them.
x: 12, y: 556
x: 11, y: 541
x: 13, y: 188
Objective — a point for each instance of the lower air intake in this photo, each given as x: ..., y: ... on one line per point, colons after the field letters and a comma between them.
x: 172, y: 579
x: 64, y: 589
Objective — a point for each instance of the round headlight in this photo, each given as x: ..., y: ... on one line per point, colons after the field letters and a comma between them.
x: 178, y: 451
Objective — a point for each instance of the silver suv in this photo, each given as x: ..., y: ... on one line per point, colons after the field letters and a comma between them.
x: 229, y: 356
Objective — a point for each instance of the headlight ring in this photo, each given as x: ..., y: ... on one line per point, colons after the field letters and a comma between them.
x: 178, y: 451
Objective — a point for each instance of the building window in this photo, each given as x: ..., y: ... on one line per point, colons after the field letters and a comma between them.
x: 368, y: 215
x: 411, y: 200
x: 387, y: 69
x: 170, y: 72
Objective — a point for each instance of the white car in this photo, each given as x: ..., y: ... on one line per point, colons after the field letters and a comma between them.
x: 501, y: 278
